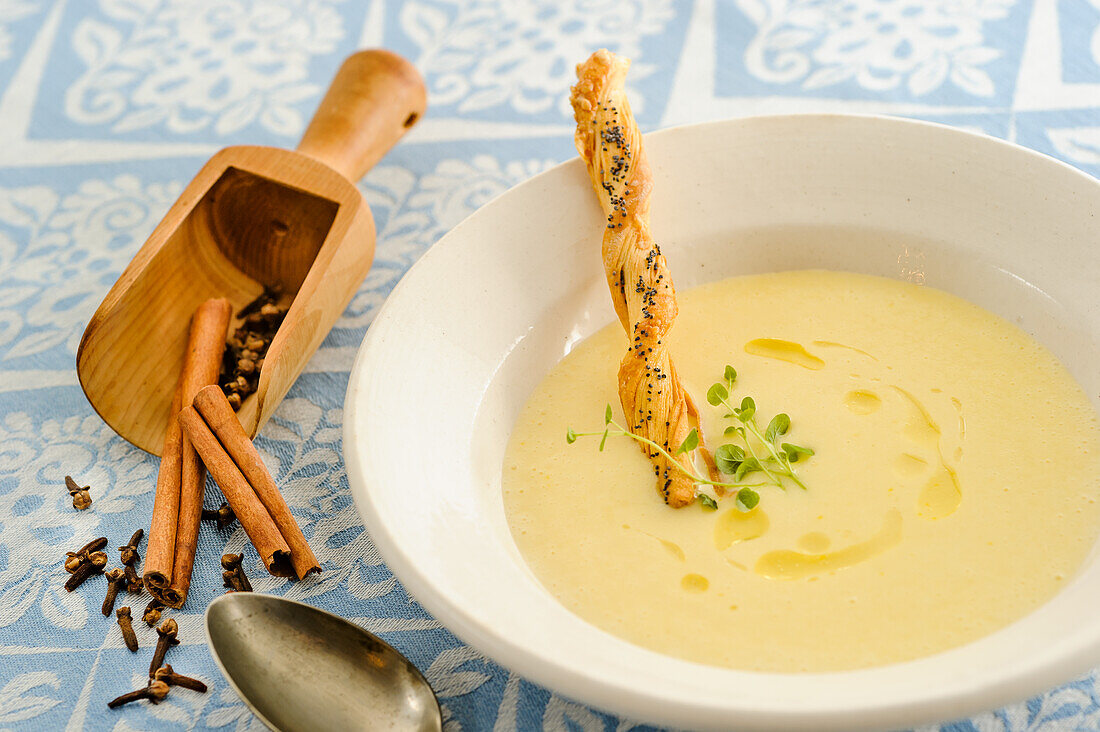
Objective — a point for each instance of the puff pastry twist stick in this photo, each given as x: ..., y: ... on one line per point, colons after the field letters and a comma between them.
x: 653, y: 399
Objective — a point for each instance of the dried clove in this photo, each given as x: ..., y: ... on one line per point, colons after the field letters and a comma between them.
x: 170, y: 677
x: 233, y: 577
x: 155, y: 692
x: 126, y: 624
x: 94, y: 545
x: 81, y: 498
x: 116, y: 578
x: 73, y: 560
x: 269, y: 295
x: 93, y: 563
x: 167, y: 632
x: 232, y: 580
x: 223, y: 514
x: 129, y: 551
x: 133, y: 580
x: 152, y: 612
x: 269, y: 310
x: 245, y: 349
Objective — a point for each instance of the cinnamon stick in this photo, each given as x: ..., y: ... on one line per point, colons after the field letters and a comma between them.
x: 161, y: 551
x: 192, y: 489
x: 216, y: 412
x: 261, y: 529
x: 201, y: 365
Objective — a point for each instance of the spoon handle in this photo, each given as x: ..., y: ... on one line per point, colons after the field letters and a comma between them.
x: 373, y: 101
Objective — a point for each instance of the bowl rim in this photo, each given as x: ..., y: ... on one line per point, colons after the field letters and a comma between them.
x: 970, y: 697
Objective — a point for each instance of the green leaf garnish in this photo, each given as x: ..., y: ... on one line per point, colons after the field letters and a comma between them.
x: 778, y: 426
x: 747, y: 409
x: 757, y: 453
x: 748, y: 465
x: 728, y: 458
x: 731, y: 452
x: 796, y: 452
x: 717, y: 394
x: 690, y: 442
x: 747, y: 499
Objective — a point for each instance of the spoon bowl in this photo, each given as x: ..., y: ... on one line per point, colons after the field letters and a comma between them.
x: 300, y: 668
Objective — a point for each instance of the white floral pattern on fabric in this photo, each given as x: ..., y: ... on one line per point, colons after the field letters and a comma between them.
x: 879, y: 44
x: 62, y: 253
x: 520, y: 54
x: 196, y: 64
x: 10, y: 12
x: 418, y: 211
x: 17, y: 702
x: 1069, y: 708
x: 36, y: 514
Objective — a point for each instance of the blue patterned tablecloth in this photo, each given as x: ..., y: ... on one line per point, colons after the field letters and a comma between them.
x: 107, y: 109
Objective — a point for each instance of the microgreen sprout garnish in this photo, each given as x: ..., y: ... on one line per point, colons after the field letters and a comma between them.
x: 614, y: 429
x: 759, y: 451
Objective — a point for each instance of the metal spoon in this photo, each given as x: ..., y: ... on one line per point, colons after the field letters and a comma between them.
x: 300, y: 668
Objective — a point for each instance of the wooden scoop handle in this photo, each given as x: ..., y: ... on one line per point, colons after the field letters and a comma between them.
x: 373, y: 101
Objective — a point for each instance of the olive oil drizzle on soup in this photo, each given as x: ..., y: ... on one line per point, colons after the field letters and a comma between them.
x: 953, y: 490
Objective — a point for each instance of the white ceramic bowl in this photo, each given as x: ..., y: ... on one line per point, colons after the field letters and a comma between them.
x: 458, y: 346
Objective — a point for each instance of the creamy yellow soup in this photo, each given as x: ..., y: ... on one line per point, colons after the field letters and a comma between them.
x: 953, y: 490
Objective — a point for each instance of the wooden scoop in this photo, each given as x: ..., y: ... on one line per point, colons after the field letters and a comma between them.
x: 252, y: 217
